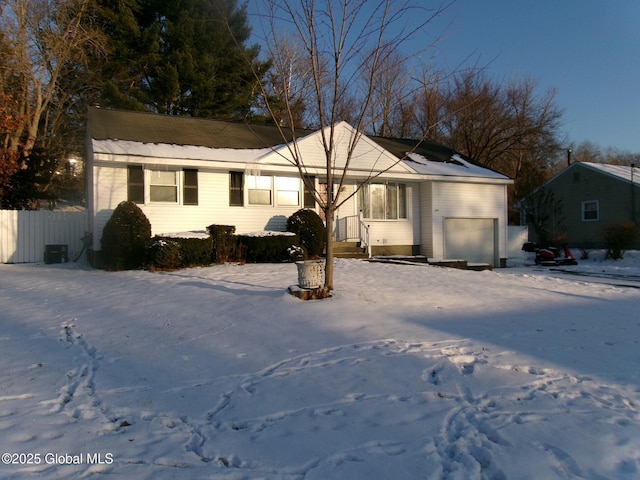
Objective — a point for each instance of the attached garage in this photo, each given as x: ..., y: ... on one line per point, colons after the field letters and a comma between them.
x: 471, y: 239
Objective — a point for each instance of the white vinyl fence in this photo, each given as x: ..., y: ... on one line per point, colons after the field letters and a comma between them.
x: 516, y: 237
x: 24, y: 234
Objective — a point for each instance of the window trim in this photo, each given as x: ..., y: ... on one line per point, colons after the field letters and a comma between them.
x: 584, y: 211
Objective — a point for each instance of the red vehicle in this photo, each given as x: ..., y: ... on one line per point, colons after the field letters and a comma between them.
x: 550, y: 256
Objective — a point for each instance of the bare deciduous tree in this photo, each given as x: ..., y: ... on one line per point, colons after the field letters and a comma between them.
x: 510, y: 128
x: 347, y: 46
x: 42, y: 38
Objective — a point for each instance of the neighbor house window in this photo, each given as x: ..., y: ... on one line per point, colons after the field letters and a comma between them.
x: 384, y: 201
x: 590, y: 211
x: 190, y: 187
x: 259, y: 190
x: 236, y: 189
x: 135, y: 184
x: 163, y: 186
x: 288, y: 191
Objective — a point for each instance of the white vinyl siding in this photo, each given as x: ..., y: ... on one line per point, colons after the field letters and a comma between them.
x: 443, y: 200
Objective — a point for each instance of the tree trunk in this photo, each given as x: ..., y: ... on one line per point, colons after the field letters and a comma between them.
x: 328, y: 268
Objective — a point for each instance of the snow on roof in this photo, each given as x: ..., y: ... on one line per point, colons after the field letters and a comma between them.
x: 456, y: 166
x: 623, y: 172
x: 164, y: 150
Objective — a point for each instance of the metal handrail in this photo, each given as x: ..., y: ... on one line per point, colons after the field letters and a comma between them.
x: 364, y: 233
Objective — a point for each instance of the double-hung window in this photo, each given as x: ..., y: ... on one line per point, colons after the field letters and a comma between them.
x: 259, y: 190
x: 384, y: 201
x: 590, y: 211
x: 288, y: 191
x: 163, y: 186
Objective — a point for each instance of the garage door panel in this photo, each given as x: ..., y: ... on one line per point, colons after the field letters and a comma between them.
x: 471, y: 239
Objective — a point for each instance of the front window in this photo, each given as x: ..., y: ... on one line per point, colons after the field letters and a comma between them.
x: 163, y: 186
x: 384, y: 201
x: 288, y: 191
x: 259, y: 190
x: 590, y: 211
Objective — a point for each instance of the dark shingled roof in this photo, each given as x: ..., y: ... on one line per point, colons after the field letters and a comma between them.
x: 145, y: 127
x: 431, y: 151
x: 105, y: 124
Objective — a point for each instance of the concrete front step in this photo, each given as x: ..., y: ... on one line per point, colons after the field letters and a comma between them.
x: 349, y: 250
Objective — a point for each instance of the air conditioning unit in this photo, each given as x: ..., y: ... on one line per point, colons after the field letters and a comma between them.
x: 56, y: 254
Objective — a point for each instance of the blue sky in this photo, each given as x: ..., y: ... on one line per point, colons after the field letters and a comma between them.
x: 587, y: 50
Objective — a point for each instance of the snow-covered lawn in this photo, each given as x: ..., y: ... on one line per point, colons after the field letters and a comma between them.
x: 407, y: 372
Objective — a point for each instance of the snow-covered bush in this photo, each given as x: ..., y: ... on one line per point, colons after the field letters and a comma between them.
x: 163, y: 254
x: 170, y: 253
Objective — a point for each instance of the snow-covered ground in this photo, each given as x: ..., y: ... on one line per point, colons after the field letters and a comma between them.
x: 409, y: 371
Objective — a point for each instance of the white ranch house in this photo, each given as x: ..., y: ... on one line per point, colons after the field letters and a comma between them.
x: 188, y: 173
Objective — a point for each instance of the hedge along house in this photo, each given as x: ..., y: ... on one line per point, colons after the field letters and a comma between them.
x: 186, y: 173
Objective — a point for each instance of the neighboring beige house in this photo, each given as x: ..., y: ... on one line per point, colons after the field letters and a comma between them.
x: 588, y: 197
x: 187, y: 173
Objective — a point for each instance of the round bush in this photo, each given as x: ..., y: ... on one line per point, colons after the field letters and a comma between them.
x: 125, y: 238
x: 308, y: 225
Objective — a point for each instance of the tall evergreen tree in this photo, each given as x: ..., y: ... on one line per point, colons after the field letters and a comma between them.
x: 179, y: 57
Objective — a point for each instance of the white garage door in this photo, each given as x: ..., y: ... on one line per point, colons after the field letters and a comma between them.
x: 471, y: 239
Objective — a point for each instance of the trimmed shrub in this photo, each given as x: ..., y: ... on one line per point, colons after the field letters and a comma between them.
x: 308, y: 225
x: 270, y: 248
x: 620, y: 237
x: 172, y: 253
x: 125, y: 238
x: 163, y: 254
x: 196, y: 251
x: 224, y: 242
